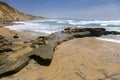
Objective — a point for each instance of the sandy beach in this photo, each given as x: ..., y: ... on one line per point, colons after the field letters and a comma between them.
x: 77, y: 59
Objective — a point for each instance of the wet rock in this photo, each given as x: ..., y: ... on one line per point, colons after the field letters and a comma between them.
x: 111, y: 32
x: 83, y: 32
x: 88, y: 32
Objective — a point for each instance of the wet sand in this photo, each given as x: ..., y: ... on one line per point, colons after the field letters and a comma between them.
x: 77, y: 59
x: 23, y: 36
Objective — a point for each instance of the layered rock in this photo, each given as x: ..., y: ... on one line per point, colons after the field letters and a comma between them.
x: 43, y: 48
x: 14, y: 60
x: 85, y: 31
x: 5, y: 45
x: 111, y: 32
x: 89, y: 32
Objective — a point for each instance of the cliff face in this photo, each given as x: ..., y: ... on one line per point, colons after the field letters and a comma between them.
x: 9, y: 14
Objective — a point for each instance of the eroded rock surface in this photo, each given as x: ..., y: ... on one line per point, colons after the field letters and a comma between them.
x: 42, y: 49
x: 5, y: 45
x: 76, y: 59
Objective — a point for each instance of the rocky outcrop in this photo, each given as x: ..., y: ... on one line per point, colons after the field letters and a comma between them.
x: 5, y: 45
x: 85, y: 31
x: 44, y: 48
x: 82, y: 32
x: 14, y: 69
x: 12, y: 62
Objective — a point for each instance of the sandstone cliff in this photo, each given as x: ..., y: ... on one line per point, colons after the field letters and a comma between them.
x: 9, y: 14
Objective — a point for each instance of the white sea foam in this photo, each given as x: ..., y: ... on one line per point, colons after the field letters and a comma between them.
x: 50, y: 26
x: 61, y: 21
x: 102, y: 23
x: 35, y: 27
x: 109, y: 40
x: 75, y: 22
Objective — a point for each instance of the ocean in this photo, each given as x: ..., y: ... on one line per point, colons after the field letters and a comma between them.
x: 55, y: 25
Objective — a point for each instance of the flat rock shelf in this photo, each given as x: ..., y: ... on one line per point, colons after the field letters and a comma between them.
x: 42, y: 50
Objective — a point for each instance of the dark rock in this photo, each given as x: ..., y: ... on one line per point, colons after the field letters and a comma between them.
x: 111, y: 32
x: 41, y: 61
x: 83, y: 32
x: 16, y: 36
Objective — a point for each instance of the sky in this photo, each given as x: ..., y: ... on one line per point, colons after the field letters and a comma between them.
x: 72, y: 9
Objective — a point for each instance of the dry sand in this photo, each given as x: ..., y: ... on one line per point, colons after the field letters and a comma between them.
x: 77, y: 59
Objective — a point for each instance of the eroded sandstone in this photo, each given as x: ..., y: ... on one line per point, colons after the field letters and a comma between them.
x: 44, y: 48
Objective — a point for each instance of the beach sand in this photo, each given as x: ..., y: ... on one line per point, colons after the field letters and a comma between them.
x: 77, y: 59
x: 23, y: 36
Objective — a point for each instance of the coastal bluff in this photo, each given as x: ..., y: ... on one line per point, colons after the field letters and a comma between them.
x: 9, y: 14
x: 41, y: 49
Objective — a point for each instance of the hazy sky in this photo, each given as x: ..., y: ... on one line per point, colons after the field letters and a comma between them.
x: 78, y: 9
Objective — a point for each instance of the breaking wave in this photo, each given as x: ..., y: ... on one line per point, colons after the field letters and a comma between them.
x: 51, y: 26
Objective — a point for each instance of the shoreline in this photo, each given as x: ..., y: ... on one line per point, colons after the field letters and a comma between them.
x: 8, y: 33
x: 109, y: 40
x: 45, y: 34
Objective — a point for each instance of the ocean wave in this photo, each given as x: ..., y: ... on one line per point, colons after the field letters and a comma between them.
x: 61, y: 21
x: 109, y: 40
x: 111, y: 23
x: 102, y: 23
x: 35, y: 27
x: 54, y: 25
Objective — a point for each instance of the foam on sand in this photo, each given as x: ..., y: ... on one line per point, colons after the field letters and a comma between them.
x: 109, y: 40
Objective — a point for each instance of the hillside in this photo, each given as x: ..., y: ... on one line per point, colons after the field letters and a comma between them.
x: 9, y: 14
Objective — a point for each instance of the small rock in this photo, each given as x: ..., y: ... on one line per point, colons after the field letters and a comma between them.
x: 16, y: 36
